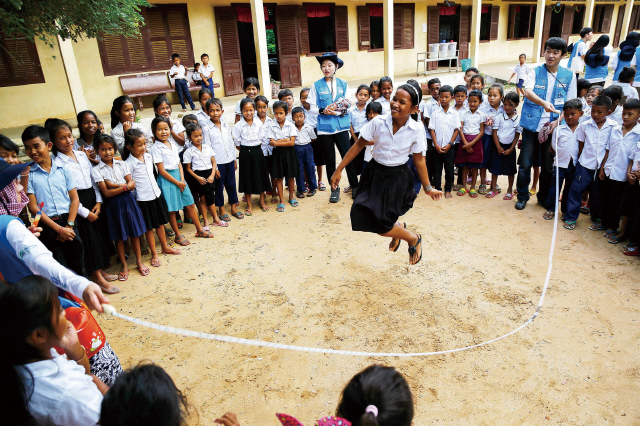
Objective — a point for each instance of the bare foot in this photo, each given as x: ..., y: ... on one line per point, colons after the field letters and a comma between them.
x: 447, y: 195
x: 108, y: 277
x: 170, y: 250
x: 395, y: 242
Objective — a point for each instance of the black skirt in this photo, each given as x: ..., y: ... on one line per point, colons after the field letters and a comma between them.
x: 502, y: 165
x: 208, y: 190
x: 285, y: 163
x: 384, y: 194
x: 155, y: 212
x: 96, y: 248
x: 358, y: 162
x: 253, y: 176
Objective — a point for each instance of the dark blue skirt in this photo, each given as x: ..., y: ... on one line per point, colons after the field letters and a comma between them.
x: 487, y: 143
x: 503, y: 165
x: 124, y: 217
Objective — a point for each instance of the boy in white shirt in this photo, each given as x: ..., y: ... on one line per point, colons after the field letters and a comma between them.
x: 305, y: 136
x: 444, y: 128
x: 521, y: 71
x: 179, y: 74
x: 206, y: 72
x: 615, y: 94
x: 426, y: 109
x: 625, y: 81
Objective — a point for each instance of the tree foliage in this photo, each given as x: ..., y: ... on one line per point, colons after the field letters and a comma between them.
x: 70, y: 19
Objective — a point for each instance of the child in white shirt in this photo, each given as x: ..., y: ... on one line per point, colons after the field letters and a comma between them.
x: 444, y: 127
x: 521, y: 71
x: 179, y: 74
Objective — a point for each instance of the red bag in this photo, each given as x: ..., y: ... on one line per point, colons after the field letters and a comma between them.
x: 90, y: 334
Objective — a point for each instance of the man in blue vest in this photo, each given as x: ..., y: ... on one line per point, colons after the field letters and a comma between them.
x: 548, y: 87
x: 576, y: 59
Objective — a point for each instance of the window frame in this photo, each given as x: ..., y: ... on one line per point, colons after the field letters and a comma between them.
x: 532, y: 18
x: 488, y: 14
x: 583, y: 12
x: 602, y: 8
x: 333, y: 20
x: 15, y: 77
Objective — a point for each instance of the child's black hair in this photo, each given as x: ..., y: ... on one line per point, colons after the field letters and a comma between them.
x: 175, y: 55
x: 556, y: 43
x: 460, y: 89
x: 192, y: 127
x: 118, y: 103
x: 189, y: 118
x: 522, y: 54
x: 583, y: 84
x: 80, y: 117
x: 130, y: 137
x: 415, y: 92
x: 284, y: 93
x: 364, y: 87
x: 375, y: 83
x: 386, y: 79
x: 250, y: 81
x: 53, y: 125
x: 203, y: 55
x: 477, y: 76
x: 596, y: 88
x: 500, y: 88
x: 477, y: 94
x: 154, y: 124
x: 473, y: 70
x: 572, y: 104
x: 602, y: 100
x: 280, y: 104
x: 585, y: 31
x: 159, y: 100
x: 216, y: 101
x: 383, y: 387
x: 244, y: 102
x: 105, y: 139
x: 614, y: 93
x: 204, y: 91
x: 28, y: 305
x: 35, y: 131
x: 632, y: 104
x: 446, y: 89
x: 195, y: 66
x: 144, y: 395
x: 373, y: 107
x: 262, y: 99
x: 297, y: 110
x: 8, y: 145
x: 304, y: 89
x: 433, y: 81
x: 627, y: 75
x: 512, y: 97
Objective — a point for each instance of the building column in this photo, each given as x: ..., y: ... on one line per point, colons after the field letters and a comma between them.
x: 588, y: 14
x: 474, y: 44
x: 260, y: 41
x: 73, y: 75
x: 626, y: 21
x: 537, y: 36
x: 387, y: 12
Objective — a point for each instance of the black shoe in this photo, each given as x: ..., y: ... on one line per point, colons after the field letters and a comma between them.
x: 335, y: 195
x: 520, y: 205
x: 353, y: 193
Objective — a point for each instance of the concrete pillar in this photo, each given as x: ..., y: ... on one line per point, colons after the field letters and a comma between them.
x: 626, y: 21
x: 260, y: 41
x: 474, y: 45
x: 537, y: 36
x: 588, y: 14
x: 387, y: 12
x: 73, y: 75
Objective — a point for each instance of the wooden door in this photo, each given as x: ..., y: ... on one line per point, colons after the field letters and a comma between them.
x: 229, y: 50
x: 616, y: 34
x: 364, y: 39
x: 288, y: 46
x: 546, y: 28
x: 464, y: 31
x: 433, y: 31
x: 567, y: 23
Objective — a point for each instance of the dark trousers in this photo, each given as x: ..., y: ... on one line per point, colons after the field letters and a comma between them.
x: 327, y: 145
x: 546, y: 171
x: 456, y: 147
x: 595, y: 204
x: 305, y: 161
x: 69, y: 254
x: 529, y: 150
x: 183, y: 92
x: 582, y: 179
x: 417, y: 184
x: 565, y: 174
x: 209, y: 85
x: 444, y: 161
x: 611, y: 196
x: 227, y: 181
x: 431, y: 160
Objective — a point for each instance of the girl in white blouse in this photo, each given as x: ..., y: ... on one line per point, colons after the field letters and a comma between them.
x: 92, y: 230
x: 123, y: 118
x: 386, y: 189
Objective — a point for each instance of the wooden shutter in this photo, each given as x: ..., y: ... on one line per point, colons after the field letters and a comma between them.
x: 229, y: 49
x: 634, y: 18
x: 288, y: 50
x: 364, y: 35
x: 464, y: 31
x: 433, y: 31
x: 341, y: 14
x: 19, y: 62
x: 567, y: 23
x: 495, y: 19
x: 616, y: 35
x: 303, y: 30
x: 606, y: 22
x: 511, y: 33
x: 397, y: 26
x: 546, y: 28
x: 407, y: 25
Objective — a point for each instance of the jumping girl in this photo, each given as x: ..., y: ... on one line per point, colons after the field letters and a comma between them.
x: 123, y: 116
x: 387, y: 183
x: 88, y: 129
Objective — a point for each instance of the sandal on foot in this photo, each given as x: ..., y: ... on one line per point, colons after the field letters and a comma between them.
x: 264, y: 208
x: 248, y: 212
x: 225, y: 217
x: 498, y: 189
x: 300, y: 194
x: 280, y: 208
x: 123, y: 276
x: 180, y: 225
x: 274, y: 200
x: 294, y: 203
x: 238, y: 215
x: 321, y: 186
x: 205, y: 228
x: 244, y: 198
x: 204, y: 234
x: 144, y: 271
x: 221, y: 224
x: 173, y: 251
x: 112, y: 290
x: 347, y: 190
x: 548, y: 215
x: 110, y: 278
x: 404, y: 225
x: 169, y: 232
x: 508, y: 197
x: 473, y: 193
x: 597, y: 226
x: 156, y: 263
x: 532, y: 192
x: 491, y: 194
x: 616, y: 238
x: 311, y: 193
x: 182, y: 241
x: 145, y: 251
x: 570, y: 224
x: 457, y: 187
x: 462, y: 192
x: 631, y: 251
x: 414, y: 249
x: 482, y: 189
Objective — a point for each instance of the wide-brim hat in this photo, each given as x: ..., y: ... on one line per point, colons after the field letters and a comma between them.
x: 9, y: 172
x: 333, y: 57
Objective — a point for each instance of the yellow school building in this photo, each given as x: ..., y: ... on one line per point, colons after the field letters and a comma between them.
x: 279, y: 42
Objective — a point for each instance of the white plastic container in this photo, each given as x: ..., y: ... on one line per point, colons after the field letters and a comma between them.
x: 435, y: 47
x: 433, y: 55
x: 452, y: 49
x: 444, y: 50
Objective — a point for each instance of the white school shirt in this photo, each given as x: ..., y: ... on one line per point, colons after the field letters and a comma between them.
x: 79, y: 144
x: 180, y: 69
x: 386, y: 105
x: 577, y: 65
x: 248, y: 135
x: 565, y: 143
x: 176, y: 126
x: 393, y: 149
x: 62, y: 393
x: 572, y: 90
x: 444, y: 124
x: 596, y: 142
x: 490, y: 116
x: 620, y: 148
x: 507, y: 127
x: 459, y: 111
x: 196, y: 74
x: 275, y: 132
x: 521, y: 71
x: 471, y: 121
x: 206, y: 70
x: 485, y: 99
x: 203, y: 118
x: 312, y: 100
x: 169, y: 157
x: 142, y: 172
x: 426, y: 109
x: 627, y: 90
x: 81, y: 171
x: 358, y: 118
x: 117, y: 133
x: 115, y: 174
x: 635, y: 158
x: 219, y: 138
x: 239, y: 112
x: 267, y: 149
x: 586, y: 114
x: 310, y: 119
x: 305, y: 135
x: 617, y: 115
x: 199, y: 160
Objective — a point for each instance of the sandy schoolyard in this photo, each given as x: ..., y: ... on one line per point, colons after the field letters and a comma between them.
x: 304, y: 278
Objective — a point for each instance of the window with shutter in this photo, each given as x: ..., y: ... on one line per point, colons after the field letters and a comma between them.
x: 546, y: 27
x: 465, y: 31
x: 166, y: 31
x: 19, y: 62
x: 342, y: 28
x: 363, y: 28
x: 602, y: 15
x: 616, y: 35
x: 608, y: 16
x: 522, y: 22
x: 303, y: 30
x: 495, y: 19
x: 578, y: 18
x: 229, y: 49
x: 403, y: 26
x: 633, y: 24
x: 433, y: 31
x: 567, y: 23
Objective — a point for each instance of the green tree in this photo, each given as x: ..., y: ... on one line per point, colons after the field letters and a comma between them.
x: 70, y: 19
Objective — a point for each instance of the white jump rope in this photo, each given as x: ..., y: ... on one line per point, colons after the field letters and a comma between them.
x: 110, y: 310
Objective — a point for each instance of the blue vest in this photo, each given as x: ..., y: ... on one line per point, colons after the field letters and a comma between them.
x: 573, y: 52
x: 621, y: 65
x: 12, y: 268
x: 600, y: 72
x: 531, y: 113
x: 331, y: 123
x: 637, y: 58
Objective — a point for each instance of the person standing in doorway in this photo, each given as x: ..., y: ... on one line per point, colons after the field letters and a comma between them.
x: 576, y: 59
x: 333, y: 125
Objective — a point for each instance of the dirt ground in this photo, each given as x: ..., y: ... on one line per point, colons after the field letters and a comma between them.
x: 304, y: 278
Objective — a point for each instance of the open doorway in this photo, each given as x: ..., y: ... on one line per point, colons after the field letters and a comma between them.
x: 557, y: 18
x: 247, y: 43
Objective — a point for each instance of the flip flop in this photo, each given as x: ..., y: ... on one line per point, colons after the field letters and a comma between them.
x: 175, y: 251
x: 110, y: 278
x: 248, y: 213
x: 145, y: 251
x: 225, y: 217
x: 274, y: 200
x: 144, y: 272
x: 413, y: 250
x: 462, y: 192
x: 123, y: 276
x: 491, y: 194
x: 280, y: 208
x: 156, y: 263
x: 347, y: 190
x: 294, y: 203
x: 473, y: 193
x: 244, y: 198
x: 570, y: 224
x: 264, y: 208
x: 311, y: 193
x: 631, y: 251
x: 112, y: 290
x: 180, y: 225
x: 404, y: 225
x: 182, y: 241
x: 548, y: 215
x: 238, y: 215
x: 596, y: 227
x: 221, y: 224
x: 300, y: 194
x: 169, y: 232
x: 508, y: 197
x: 205, y: 228
x: 204, y: 234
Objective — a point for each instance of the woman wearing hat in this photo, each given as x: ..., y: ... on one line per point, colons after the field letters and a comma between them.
x: 333, y: 126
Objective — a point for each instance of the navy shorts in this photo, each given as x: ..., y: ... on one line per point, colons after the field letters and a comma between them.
x: 520, y: 84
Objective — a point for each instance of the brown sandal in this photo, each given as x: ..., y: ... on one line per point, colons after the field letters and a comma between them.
x: 182, y: 241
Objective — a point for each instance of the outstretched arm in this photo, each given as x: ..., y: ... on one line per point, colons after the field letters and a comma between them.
x: 351, y: 154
